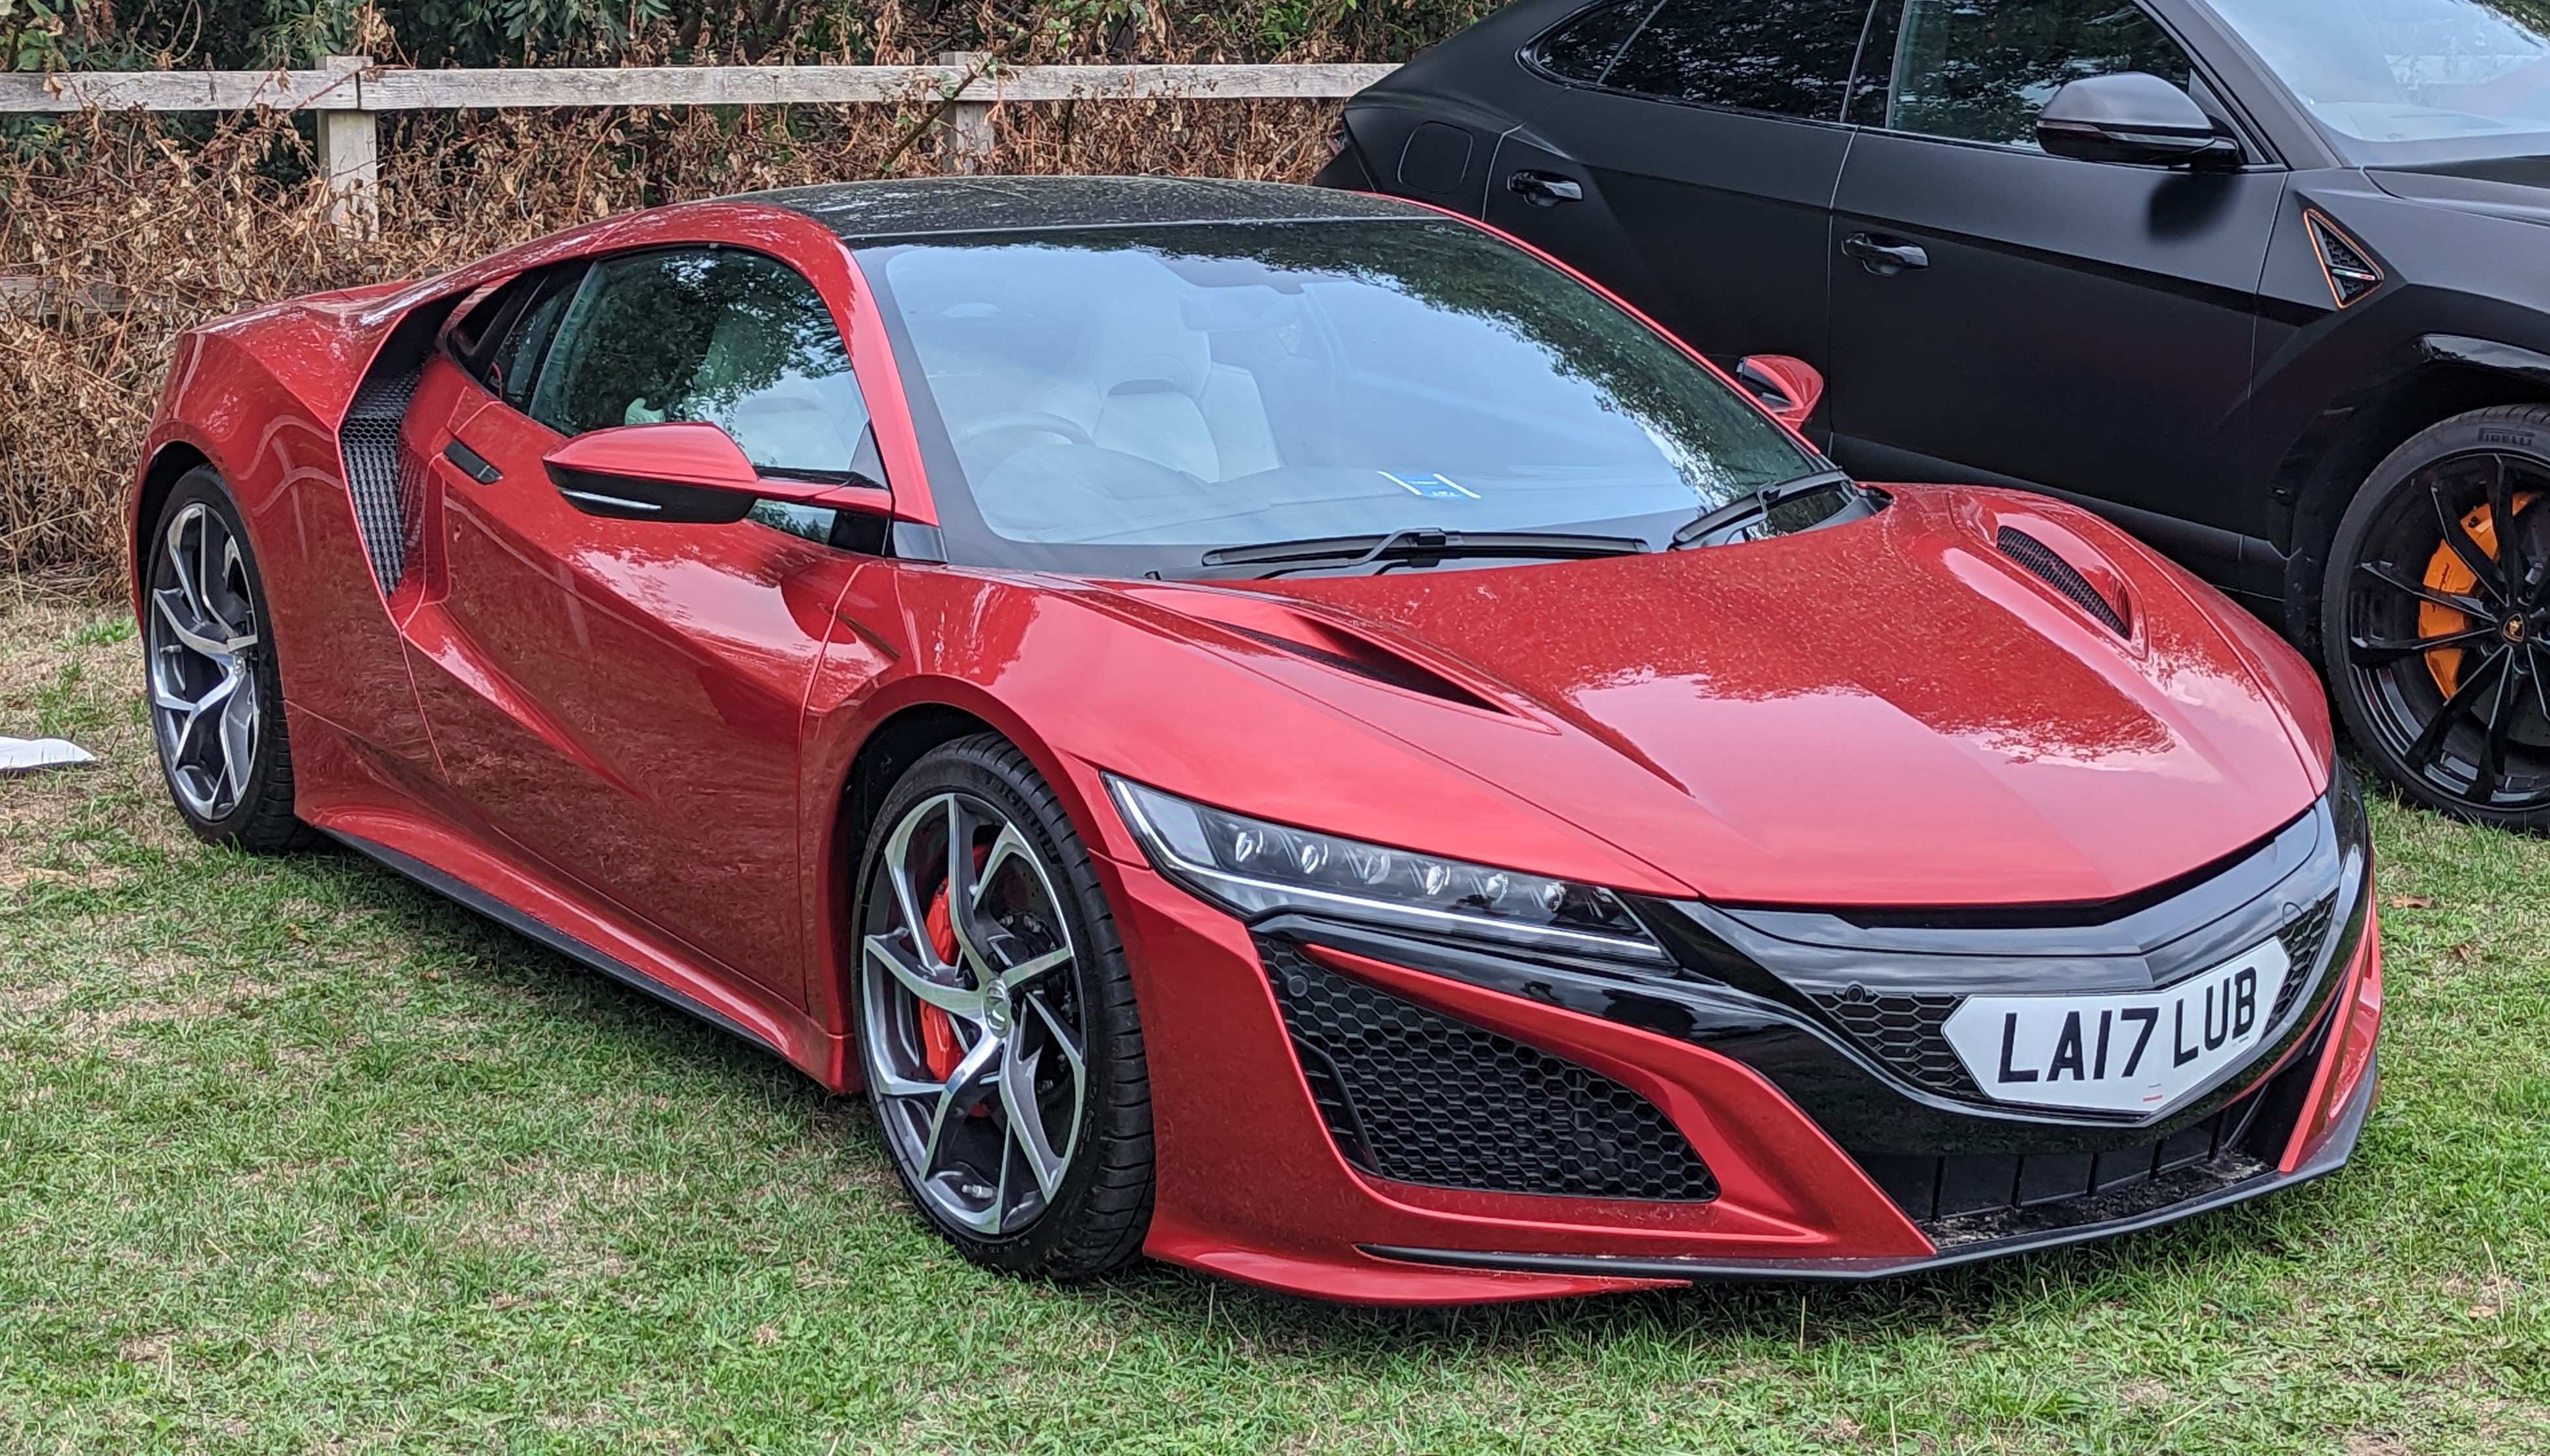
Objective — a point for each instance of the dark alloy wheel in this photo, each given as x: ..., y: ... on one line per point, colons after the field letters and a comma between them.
x: 216, y: 701
x: 996, y: 1021
x: 2438, y: 617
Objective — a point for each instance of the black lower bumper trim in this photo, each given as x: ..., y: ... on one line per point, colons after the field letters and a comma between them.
x: 2330, y: 1158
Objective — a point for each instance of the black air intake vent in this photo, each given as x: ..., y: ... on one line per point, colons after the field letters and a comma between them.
x: 2304, y: 940
x: 1419, y: 1098
x: 388, y: 490
x: 2351, y: 271
x: 1908, y: 1034
x: 2049, y: 565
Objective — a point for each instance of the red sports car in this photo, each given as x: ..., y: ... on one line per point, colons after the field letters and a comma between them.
x: 1277, y: 730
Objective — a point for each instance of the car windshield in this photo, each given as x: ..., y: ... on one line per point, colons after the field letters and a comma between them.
x: 1124, y: 402
x: 2404, y: 82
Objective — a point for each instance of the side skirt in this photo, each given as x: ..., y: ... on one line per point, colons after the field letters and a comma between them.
x: 471, y: 896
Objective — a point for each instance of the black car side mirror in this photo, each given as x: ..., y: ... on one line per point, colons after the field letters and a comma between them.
x: 2132, y: 117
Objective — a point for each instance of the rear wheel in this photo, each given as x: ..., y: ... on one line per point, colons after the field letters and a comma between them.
x: 996, y: 1019
x: 216, y: 699
x: 2438, y: 616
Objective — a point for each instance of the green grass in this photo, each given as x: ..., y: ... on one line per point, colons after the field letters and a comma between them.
x: 295, y: 1156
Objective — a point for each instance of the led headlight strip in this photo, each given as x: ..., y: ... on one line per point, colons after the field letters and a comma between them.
x: 1255, y: 868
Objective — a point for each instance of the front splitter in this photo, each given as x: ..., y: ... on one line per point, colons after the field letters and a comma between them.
x: 2331, y: 1156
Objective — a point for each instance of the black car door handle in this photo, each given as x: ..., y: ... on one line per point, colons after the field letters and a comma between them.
x: 1546, y: 189
x: 1885, y: 260
x: 472, y: 464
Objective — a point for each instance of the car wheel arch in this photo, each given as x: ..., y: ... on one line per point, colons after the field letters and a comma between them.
x: 2384, y: 414
x: 171, y: 464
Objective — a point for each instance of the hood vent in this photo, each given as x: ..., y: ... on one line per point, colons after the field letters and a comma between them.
x: 1348, y: 652
x: 2350, y: 270
x: 2048, y: 565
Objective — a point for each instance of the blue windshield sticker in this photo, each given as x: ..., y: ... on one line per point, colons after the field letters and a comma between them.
x: 1430, y: 486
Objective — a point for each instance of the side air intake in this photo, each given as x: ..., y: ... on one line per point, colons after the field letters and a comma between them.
x: 387, y: 490
x: 2049, y: 566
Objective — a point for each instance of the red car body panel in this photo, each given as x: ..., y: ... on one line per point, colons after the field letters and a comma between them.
x: 640, y: 743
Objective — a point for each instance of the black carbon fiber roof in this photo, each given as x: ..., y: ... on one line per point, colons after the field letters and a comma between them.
x: 877, y: 212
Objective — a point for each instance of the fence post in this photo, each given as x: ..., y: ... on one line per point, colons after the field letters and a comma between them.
x: 968, y: 138
x: 349, y: 151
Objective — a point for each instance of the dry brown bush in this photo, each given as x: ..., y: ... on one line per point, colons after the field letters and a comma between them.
x: 167, y: 231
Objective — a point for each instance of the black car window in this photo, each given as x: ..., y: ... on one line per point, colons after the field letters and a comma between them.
x: 1788, y: 58
x: 715, y: 335
x: 1582, y: 47
x: 510, y: 358
x: 1980, y: 70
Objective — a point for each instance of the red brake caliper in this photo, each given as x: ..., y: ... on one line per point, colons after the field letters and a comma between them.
x: 939, y: 1044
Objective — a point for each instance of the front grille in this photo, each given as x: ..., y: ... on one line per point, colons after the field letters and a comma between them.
x: 1966, y: 1197
x: 2050, y: 567
x: 1904, y: 1032
x: 1416, y: 1097
x: 2304, y: 940
x: 387, y: 489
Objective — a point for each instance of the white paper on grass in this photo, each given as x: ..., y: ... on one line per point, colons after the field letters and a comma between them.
x: 26, y: 755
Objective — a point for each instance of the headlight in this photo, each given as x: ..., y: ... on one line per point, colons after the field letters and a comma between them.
x: 1254, y: 868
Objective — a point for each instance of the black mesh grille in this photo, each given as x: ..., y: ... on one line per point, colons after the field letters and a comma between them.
x: 1903, y: 1031
x: 2351, y: 274
x: 1419, y: 1098
x: 2059, y: 574
x: 2303, y: 940
x: 386, y: 489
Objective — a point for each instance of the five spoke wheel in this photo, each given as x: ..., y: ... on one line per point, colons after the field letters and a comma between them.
x: 974, y: 1035
x: 201, y: 623
x: 2443, y: 648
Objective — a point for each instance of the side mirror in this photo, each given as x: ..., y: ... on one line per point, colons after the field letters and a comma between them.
x: 1788, y: 388
x: 2131, y: 117
x: 687, y: 472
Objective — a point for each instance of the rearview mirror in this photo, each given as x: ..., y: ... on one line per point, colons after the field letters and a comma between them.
x: 1788, y: 388
x: 688, y: 472
x: 2131, y: 117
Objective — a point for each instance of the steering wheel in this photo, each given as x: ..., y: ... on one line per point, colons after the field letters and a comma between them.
x: 1037, y: 419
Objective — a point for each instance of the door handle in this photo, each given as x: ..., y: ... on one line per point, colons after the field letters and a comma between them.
x: 1885, y: 260
x: 472, y: 464
x: 1545, y: 189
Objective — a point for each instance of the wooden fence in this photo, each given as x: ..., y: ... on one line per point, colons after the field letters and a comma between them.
x: 349, y: 92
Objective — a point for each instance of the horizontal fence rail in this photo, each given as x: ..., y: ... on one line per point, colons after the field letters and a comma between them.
x: 353, y: 84
x: 347, y: 92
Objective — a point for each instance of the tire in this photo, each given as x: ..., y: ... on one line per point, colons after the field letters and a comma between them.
x: 1022, y: 1164
x: 2437, y: 616
x: 216, y: 701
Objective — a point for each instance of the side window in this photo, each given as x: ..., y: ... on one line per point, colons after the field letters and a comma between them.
x: 1787, y: 58
x: 1980, y: 70
x: 1580, y: 48
x: 720, y: 336
x: 513, y: 361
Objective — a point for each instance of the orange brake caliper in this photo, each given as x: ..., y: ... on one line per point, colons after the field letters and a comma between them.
x: 2446, y: 573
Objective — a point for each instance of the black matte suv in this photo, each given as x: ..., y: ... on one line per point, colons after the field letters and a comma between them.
x: 2264, y: 280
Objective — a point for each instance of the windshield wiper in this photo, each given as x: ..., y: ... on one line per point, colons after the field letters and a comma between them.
x: 1419, y: 547
x: 1738, y: 520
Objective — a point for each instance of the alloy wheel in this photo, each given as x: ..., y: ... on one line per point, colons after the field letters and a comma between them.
x: 974, y: 1036
x: 2448, y: 630
x: 205, y: 708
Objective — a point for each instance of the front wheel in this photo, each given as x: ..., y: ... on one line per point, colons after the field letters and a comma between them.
x: 996, y: 1019
x: 2438, y: 616
x: 215, y: 699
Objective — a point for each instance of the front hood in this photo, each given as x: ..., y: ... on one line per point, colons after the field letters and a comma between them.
x: 1887, y: 713
x: 2517, y: 188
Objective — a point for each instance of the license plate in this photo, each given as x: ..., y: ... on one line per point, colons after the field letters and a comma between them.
x: 2119, y: 1053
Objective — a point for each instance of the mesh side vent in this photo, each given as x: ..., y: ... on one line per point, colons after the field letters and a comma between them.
x: 387, y: 491
x: 2059, y: 574
x: 1903, y: 1031
x: 2303, y: 940
x: 1419, y: 1098
x: 2351, y: 272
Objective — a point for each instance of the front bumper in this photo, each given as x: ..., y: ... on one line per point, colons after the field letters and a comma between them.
x: 1260, y: 1183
